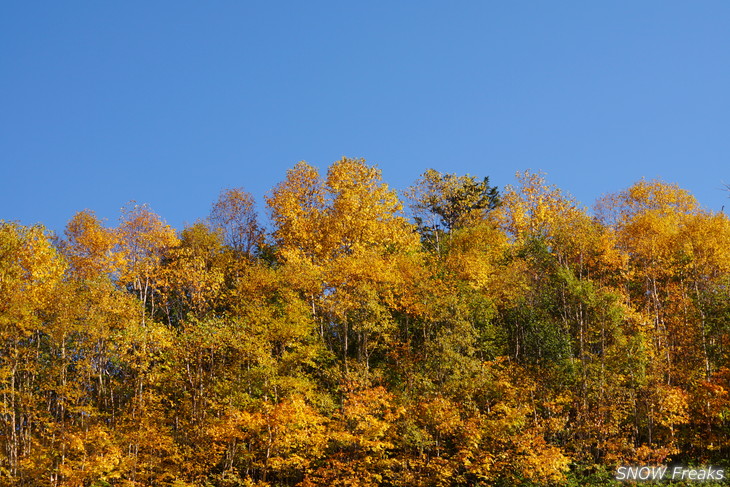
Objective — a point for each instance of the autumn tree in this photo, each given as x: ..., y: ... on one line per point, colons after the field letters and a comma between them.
x: 144, y: 239
x: 91, y: 248
x: 192, y: 278
x: 234, y: 214
x: 347, y: 234
x: 677, y: 255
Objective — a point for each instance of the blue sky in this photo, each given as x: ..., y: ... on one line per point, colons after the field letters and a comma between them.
x: 170, y: 102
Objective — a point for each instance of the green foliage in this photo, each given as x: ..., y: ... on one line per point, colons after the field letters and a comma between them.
x: 444, y: 202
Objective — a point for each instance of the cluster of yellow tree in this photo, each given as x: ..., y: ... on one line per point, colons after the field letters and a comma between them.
x: 501, y: 339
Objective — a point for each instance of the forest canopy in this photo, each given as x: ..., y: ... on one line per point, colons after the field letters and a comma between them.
x: 452, y: 335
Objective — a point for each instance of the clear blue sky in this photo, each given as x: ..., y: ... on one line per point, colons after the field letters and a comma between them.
x: 168, y: 102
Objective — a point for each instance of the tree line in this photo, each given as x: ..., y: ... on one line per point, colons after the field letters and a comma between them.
x: 454, y: 335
